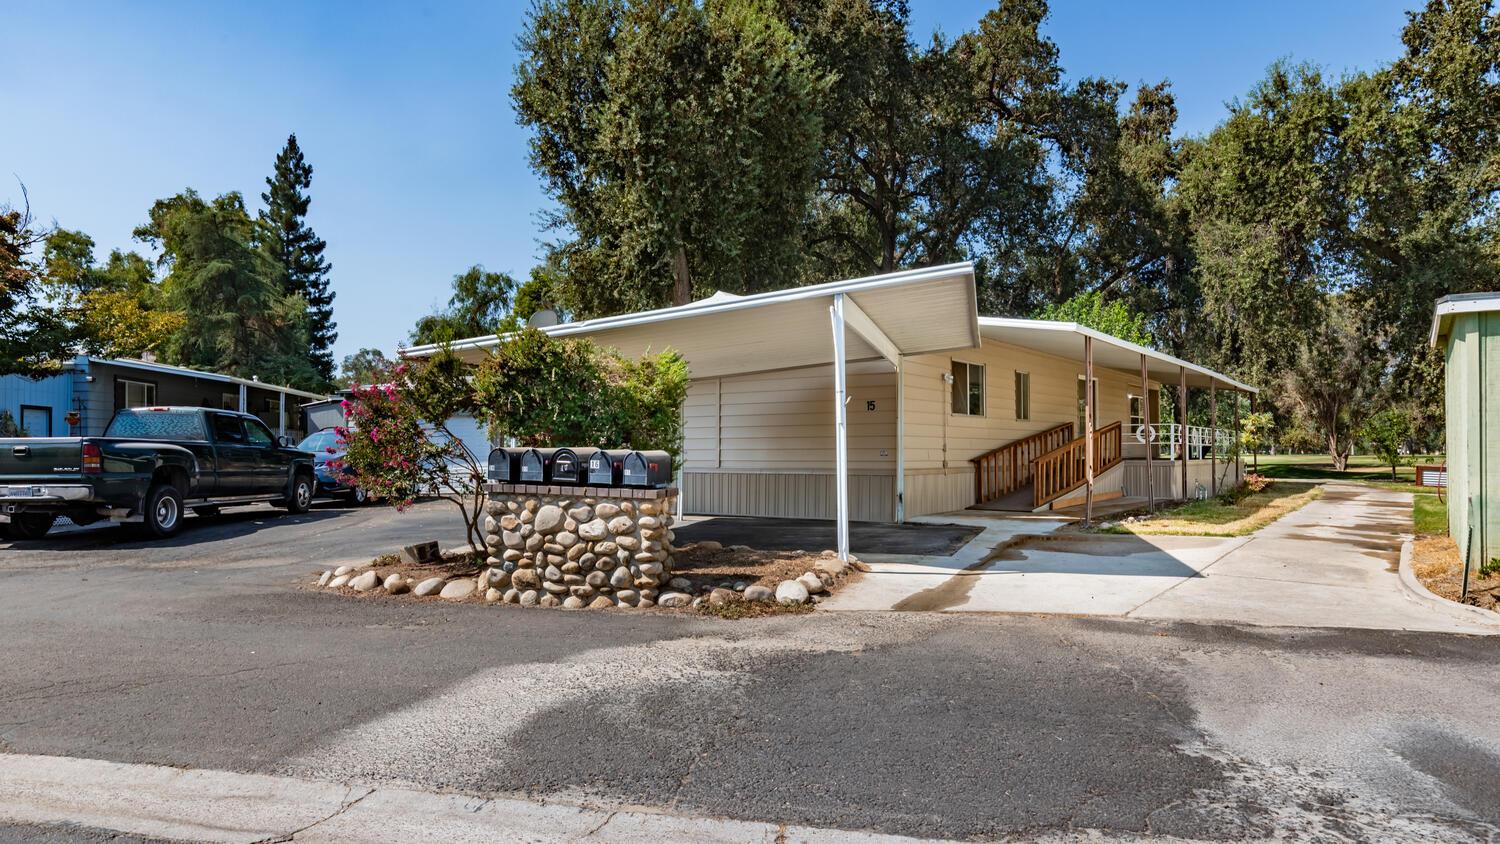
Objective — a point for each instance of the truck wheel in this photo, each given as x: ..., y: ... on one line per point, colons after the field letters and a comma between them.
x: 300, y: 501
x: 31, y: 525
x: 163, y: 515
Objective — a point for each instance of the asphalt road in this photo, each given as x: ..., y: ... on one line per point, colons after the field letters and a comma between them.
x: 208, y: 653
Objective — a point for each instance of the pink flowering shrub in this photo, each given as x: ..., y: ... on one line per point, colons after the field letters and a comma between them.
x: 1256, y: 483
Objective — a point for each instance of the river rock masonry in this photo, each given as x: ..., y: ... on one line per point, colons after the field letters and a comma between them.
x: 580, y: 546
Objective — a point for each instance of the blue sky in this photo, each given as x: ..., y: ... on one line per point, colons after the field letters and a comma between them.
x: 403, y: 110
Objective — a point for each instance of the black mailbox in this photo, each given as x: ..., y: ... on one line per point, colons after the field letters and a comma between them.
x: 606, y: 465
x: 505, y: 465
x: 646, y: 469
x: 571, y: 465
x: 536, y: 465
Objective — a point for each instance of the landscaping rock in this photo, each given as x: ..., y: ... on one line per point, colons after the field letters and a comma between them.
x: 812, y: 582
x: 343, y: 570
x: 596, y: 579
x: 553, y: 573
x: 581, y: 514
x: 756, y: 592
x: 791, y: 592
x: 602, y: 602
x: 621, y: 525
x: 680, y: 583
x: 325, y: 577
x: 708, y: 545
x: 620, y: 578
x: 492, y: 595
x: 741, y: 548
x: 497, y: 578
x: 834, y: 567
x: 549, y: 601
x: 397, y: 585
x: 511, y: 595
x: 529, y: 598
x: 524, y: 579
x: 627, y: 597
x: 594, y: 530
x: 573, y: 602
x: 648, y: 522
x: 720, y: 597
x: 457, y: 590
x: 427, y: 587
x: 549, y: 519
x: 740, y: 585
x: 365, y: 582
x: 674, y: 599
x: 338, y: 581
x: 418, y: 553
x: 555, y: 588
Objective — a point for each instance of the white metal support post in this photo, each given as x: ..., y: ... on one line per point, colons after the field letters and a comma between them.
x: 242, y: 398
x: 1089, y: 455
x: 841, y: 426
x: 281, y: 416
x: 900, y: 441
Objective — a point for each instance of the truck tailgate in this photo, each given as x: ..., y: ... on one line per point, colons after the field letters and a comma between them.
x: 32, y: 459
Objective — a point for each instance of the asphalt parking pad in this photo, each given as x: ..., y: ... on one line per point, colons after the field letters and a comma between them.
x: 771, y: 534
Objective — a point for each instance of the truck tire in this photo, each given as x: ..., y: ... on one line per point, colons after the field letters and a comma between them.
x: 30, y: 525
x: 163, y: 510
x: 300, y: 499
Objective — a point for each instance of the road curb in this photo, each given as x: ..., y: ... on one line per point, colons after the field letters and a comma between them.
x: 1417, y: 591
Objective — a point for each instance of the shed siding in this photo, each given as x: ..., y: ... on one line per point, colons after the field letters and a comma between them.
x: 1473, y: 426
x: 54, y: 393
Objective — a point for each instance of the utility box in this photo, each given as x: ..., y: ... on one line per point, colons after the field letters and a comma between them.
x: 606, y: 465
x: 536, y: 466
x: 505, y: 465
x: 570, y: 466
x: 651, y: 469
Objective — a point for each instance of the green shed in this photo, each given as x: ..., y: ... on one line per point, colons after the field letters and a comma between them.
x: 1467, y: 328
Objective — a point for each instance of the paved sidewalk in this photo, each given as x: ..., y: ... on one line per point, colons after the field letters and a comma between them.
x: 224, y: 806
x: 1330, y: 564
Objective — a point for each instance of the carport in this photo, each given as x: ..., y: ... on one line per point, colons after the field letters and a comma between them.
x: 881, y: 319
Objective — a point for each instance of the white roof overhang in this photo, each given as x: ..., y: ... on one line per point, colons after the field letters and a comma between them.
x: 169, y: 369
x: 1465, y: 303
x: 1065, y: 340
x: 912, y: 312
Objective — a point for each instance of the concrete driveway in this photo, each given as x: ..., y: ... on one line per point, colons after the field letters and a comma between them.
x: 1330, y: 564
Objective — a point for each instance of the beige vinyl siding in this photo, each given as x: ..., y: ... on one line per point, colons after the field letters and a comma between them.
x: 700, y: 424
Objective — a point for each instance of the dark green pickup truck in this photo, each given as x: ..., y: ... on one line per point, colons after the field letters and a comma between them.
x: 150, y: 464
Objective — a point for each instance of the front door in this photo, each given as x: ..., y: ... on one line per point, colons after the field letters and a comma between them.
x: 238, y: 461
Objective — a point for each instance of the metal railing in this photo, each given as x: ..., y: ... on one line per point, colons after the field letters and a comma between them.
x: 1201, y: 441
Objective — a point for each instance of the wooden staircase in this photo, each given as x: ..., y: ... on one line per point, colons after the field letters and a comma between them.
x: 1051, y: 462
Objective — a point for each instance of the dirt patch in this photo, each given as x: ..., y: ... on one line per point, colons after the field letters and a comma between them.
x: 1436, y: 562
x: 707, y: 568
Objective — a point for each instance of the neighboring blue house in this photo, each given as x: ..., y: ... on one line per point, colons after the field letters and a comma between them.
x: 80, y: 401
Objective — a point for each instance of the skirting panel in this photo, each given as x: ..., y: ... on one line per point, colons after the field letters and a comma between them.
x: 793, y: 495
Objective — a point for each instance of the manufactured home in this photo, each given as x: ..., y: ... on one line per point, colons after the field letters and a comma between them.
x: 1466, y: 328
x: 883, y: 398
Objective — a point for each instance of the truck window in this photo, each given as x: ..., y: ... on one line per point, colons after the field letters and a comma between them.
x: 158, y: 425
x: 259, y: 434
x: 227, y: 429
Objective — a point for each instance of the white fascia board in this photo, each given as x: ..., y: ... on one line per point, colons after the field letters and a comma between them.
x: 708, y: 306
x: 168, y: 369
x: 1466, y: 303
x: 1110, y: 339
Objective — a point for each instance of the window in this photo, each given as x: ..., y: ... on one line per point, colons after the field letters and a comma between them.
x: 968, y: 388
x: 1137, y: 414
x: 139, y: 394
x: 229, y: 401
x: 258, y: 433
x: 1023, y: 395
x: 228, y: 429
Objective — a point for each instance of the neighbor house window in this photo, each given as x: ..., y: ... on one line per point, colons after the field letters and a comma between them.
x: 1137, y: 413
x: 1023, y: 395
x: 139, y: 394
x: 968, y: 388
x: 229, y: 401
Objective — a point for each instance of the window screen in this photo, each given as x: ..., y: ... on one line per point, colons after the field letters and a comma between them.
x: 139, y: 394
x: 968, y: 388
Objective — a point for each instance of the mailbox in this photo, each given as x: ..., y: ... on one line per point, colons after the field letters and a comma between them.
x: 571, y: 465
x: 606, y: 465
x: 505, y: 465
x: 646, y: 469
x: 536, y: 465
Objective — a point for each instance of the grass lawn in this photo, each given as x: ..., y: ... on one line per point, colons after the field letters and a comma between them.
x: 1429, y: 515
x: 1363, y: 468
x: 1224, y: 516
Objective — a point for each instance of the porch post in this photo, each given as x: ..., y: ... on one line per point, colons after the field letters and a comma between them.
x: 1239, y: 459
x: 242, y: 398
x: 900, y: 440
x: 841, y: 427
x: 1182, y: 427
x: 1088, y: 429
x: 1213, y: 434
x: 281, y: 415
x: 1150, y: 435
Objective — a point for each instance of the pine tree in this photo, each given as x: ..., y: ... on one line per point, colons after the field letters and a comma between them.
x: 283, y: 234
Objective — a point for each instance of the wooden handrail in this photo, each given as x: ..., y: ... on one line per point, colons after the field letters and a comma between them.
x: 1061, y: 470
x: 1004, y: 470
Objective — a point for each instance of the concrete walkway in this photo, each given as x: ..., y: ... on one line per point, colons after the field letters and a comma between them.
x: 1330, y: 564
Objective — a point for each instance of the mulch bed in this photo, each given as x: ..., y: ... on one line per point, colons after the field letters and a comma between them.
x: 1436, y: 562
